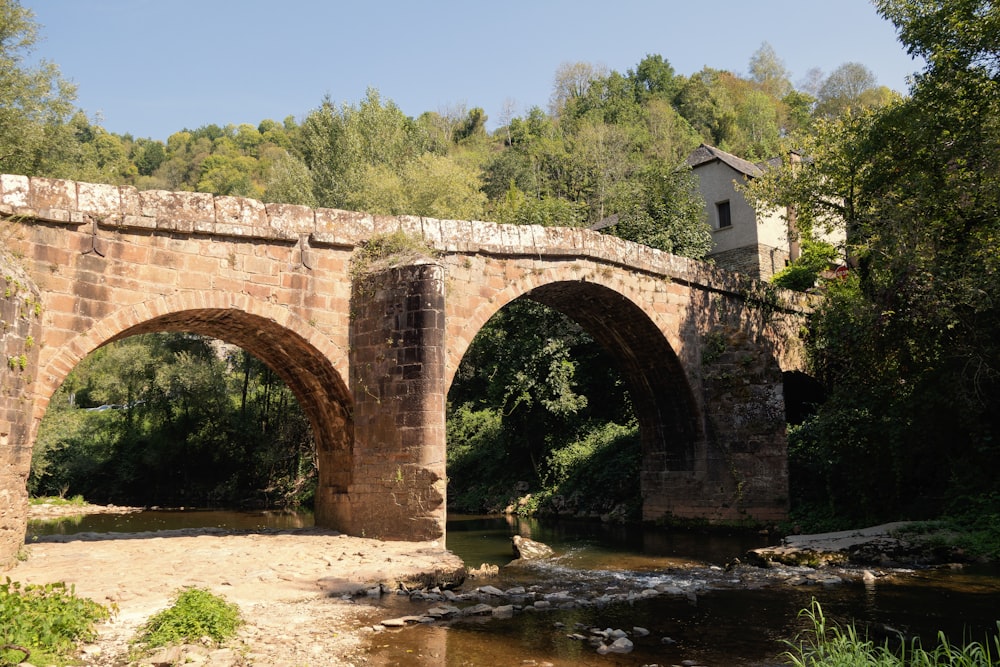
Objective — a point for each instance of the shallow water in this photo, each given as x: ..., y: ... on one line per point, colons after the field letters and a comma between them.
x: 741, y: 617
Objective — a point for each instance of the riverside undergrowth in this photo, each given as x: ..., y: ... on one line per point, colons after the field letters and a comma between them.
x: 592, y: 470
x: 825, y: 645
x: 45, y: 622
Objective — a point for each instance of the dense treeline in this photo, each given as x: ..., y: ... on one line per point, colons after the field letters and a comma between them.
x: 905, y: 346
x: 610, y: 143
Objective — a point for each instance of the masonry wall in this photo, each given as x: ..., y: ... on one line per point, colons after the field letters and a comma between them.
x: 757, y: 261
x: 397, y: 378
x: 20, y: 332
x: 742, y: 475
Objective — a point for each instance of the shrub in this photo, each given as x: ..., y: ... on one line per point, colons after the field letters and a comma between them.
x: 478, y: 464
x: 47, y: 620
x: 195, y: 614
x: 594, y: 472
x: 802, y: 274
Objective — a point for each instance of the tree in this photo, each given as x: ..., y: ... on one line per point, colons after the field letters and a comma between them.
x: 33, y: 99
x: 850, y: 87
x: 439, y: 187
x: 698, y: 103
x: 472, y: 126
x: 572, y: 80
x: 602, y: 158
x: 949, y: 36
x: 769, y: 72
x: 342, y: 146
x: 664, y: 210
x: 906, y: 345
x: 289, y: 181
x: 654, y: 77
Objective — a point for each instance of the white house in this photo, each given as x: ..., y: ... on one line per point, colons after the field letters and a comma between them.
x: 742, y: 241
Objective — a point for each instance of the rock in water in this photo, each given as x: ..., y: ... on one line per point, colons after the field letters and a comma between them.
x: 529, y: 549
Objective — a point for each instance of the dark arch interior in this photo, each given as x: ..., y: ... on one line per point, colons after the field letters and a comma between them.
x: 803, y: 394
x: 653, y: 374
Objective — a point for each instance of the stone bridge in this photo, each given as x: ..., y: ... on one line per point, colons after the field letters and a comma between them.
x: 370, y: 351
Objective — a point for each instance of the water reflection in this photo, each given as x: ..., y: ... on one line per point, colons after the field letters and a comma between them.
x: 591, y: 545
x: 152, y: 520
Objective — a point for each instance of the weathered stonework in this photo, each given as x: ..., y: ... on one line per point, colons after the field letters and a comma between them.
x: 397, y: 377
x: 370, y: 358
x: 756, y: 261
x: 20, y: 319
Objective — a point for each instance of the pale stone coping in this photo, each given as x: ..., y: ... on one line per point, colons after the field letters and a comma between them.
x: 125, y: 207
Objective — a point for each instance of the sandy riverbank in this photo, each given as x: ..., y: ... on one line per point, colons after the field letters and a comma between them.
x: 289, y: 585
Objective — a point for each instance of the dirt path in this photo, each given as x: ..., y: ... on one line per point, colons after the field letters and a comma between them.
x: 293, y: 587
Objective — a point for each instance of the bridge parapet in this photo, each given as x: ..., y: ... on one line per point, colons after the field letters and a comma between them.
x: 124, y: 207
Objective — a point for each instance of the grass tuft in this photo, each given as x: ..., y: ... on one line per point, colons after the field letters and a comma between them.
x: 832, y: 646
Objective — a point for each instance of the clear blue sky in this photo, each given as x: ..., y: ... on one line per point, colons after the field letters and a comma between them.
x: 154, y: 67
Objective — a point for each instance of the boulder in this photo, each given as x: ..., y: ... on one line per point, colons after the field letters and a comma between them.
x: 528, y: 549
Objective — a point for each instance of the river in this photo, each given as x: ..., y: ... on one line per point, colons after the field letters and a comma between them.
x: 709, y: 615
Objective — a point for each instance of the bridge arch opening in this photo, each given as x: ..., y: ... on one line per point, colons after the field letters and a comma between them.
x: 640, y: 392
x: 307, y: 372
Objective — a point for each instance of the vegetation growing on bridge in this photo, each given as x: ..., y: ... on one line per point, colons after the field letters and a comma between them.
x: 387, y: 250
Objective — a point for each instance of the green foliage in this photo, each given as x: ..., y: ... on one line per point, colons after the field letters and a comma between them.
x: 664, y: 210
x: 47, y: 620
x: 804, y: 272
x: 830, y: 645
x: 536, y: 401
x: 478, y: 474
x: 594, y: 473
x: 75, y: 501
x: 970, y: 527
x: 183, y: 422
x: 34, y: 99
x: 906, y: 345
x: 195, y: 613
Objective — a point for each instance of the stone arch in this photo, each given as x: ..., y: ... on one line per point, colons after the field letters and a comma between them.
x: 665, y: 405
x: 309, y: 363
x: 459, y: 343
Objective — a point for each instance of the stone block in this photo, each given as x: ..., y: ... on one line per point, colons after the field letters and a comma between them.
x: 14, y: 191
x: 239, y: 216
x: 177, y: 211
x: 99, y: 200
x: 341, y: 228
x: 53, y: 193
x: 289, y: 221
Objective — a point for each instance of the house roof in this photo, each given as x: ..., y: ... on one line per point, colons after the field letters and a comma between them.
x: 705, y: 154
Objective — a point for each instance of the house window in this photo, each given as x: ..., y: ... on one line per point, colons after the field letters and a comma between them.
x: 724, y: 217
